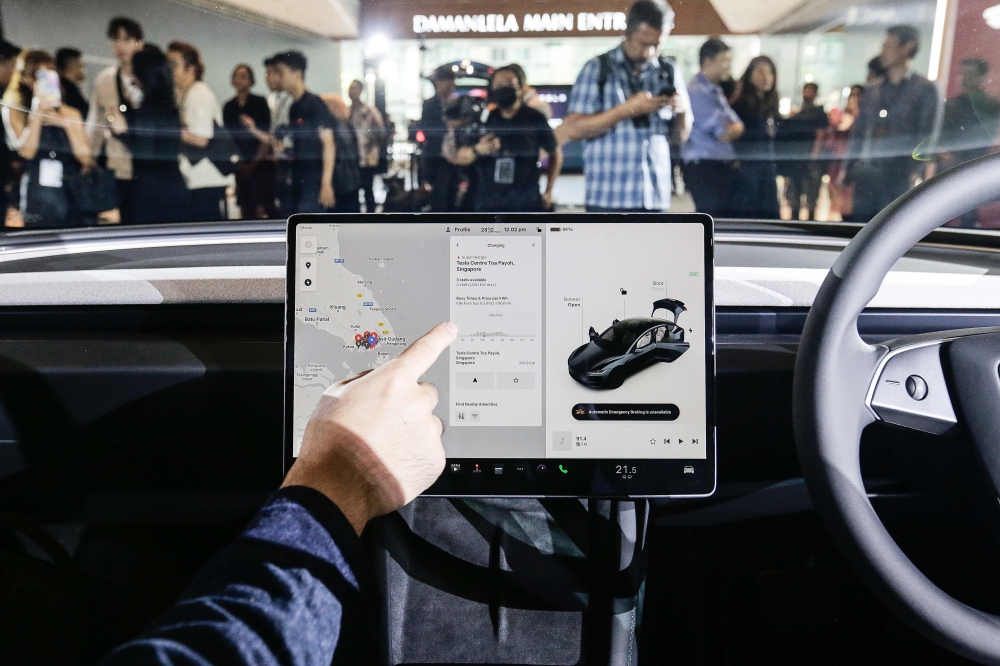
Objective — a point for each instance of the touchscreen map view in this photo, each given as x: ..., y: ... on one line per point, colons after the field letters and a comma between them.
x: 582, y: 341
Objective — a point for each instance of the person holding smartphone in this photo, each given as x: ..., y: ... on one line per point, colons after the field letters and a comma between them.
x: 508, y: 150
x: 49, y: 137
x: 627, y: 106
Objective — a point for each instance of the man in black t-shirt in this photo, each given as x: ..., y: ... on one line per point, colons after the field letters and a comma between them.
x: 254, y: 192
x: 507, y: 155
x: 798, y: 147
x: 308, y: 140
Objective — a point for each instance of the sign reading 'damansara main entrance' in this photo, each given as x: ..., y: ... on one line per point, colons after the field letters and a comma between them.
x: 441, y: 19
x: 584, y: 21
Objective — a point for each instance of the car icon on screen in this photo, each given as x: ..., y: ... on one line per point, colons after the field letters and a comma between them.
x: 629, y: 346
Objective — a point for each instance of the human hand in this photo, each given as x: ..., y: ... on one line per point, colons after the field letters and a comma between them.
x: 248, y: 122
x: 547, y: 203
x: 644, y: 103
x: 678, y: 103
x: 326, y: 197
x: 373, y: 444
x: 489, y: 144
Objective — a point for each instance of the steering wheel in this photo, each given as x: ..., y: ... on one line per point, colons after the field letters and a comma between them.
x: 936, y: 383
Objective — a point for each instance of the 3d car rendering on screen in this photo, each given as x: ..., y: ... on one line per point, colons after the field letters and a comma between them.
x: 629, y: 346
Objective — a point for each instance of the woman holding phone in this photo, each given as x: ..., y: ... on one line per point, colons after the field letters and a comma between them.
x: 49, y: 136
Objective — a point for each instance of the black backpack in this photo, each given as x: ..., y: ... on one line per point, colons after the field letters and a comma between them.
x: 605, y: 73
x: 347, y: 169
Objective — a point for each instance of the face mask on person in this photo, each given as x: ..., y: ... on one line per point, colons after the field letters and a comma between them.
x: 505, y: 96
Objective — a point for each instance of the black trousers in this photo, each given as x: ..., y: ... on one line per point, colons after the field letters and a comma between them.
x: 443, y: 177
x: 126, y: 200
x: 205, y: 204
x: 877, y: 183
x: 711, y: 184
x: 805, y: 178
x: 368, y: 187
x: 755, y: 191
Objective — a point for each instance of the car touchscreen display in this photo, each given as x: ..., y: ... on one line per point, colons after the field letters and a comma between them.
x: 584, y: 362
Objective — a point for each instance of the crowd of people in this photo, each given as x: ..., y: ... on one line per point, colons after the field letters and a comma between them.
x: 739, y: 155
x: 152, y: 143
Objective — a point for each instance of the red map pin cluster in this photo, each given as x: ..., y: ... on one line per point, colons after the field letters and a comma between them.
x: 367, y: 340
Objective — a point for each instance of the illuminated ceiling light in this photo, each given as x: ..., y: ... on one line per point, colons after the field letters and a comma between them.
x: 810, y: 50
x: 378, y: 44
x: 992, y: 16
x: 937, y: 39
x: 370, y: 77
x: 809, y: 78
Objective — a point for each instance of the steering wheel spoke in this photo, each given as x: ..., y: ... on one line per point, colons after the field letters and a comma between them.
x: 909, y: 388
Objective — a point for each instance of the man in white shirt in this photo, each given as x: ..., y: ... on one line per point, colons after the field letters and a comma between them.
x: 201, y: 115
x: 115, y: 91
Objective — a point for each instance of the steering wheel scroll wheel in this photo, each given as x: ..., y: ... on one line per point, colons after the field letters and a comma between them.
x: 936, y: 383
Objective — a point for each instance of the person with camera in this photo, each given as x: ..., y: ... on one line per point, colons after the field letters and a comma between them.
x: 628, y: 105
x: 507, y: 152
x: 436, y: 171
x: 462, y: 117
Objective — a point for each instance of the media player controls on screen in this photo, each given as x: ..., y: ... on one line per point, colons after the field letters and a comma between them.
x: 562, y: 440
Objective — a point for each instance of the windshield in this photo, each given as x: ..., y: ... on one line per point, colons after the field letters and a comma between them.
x: 185, y: 110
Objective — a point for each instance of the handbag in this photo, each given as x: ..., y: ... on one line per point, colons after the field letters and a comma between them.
x: 221, y: 150
x: 93, y: 192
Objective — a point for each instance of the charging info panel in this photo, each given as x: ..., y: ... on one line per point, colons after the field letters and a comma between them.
x: 496, y: 302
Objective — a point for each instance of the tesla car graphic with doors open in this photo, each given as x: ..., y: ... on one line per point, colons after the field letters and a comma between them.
x: 628, y: 346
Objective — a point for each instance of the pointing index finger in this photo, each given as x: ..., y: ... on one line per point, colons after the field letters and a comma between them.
x: 420, y: 356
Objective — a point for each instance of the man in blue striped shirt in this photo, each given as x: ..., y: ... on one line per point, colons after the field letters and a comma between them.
x: 709, y: 158
x: 627, y: 105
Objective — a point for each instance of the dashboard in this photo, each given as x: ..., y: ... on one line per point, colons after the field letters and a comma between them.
x: 142, y: 369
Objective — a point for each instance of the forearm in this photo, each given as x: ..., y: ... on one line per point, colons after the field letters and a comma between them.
x: 193, y: 140
x: 732, y: 132
x: 80, y: 146
x: 554, y: 168
x: 284, y: 592
x: 680, y: 127
x: 329, y: 159
x: 260, y: 135
x: 579, y: 126
x: 28, y: 136
x: 464, y: 156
